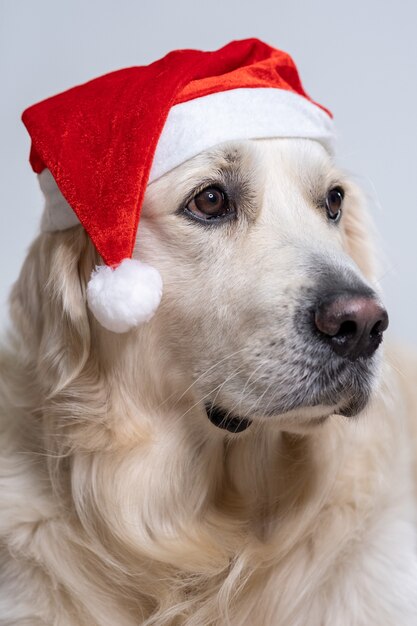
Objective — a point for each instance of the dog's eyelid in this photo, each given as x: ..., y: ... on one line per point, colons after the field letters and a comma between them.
x: 210, y: 223
x: 339, y: 187
x: 337, y: 182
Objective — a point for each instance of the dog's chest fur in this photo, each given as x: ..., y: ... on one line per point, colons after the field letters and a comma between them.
x: 265, y: 529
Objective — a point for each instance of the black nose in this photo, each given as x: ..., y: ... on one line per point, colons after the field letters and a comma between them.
x: 352, y: 324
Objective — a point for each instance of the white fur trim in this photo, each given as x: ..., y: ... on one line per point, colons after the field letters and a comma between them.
x: 126, y: 296
x: 250, y: 113
x: 202, y: 123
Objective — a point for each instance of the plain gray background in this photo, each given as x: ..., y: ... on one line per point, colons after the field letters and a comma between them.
x: 358, y: 58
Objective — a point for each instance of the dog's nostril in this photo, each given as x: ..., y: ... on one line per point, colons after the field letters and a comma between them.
x: 377, y: 329
x: 352, y: 324
x: 347, y: 329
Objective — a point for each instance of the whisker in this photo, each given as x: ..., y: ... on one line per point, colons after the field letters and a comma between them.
x: 235, y: 373
x: 201, y: 376
x: 258, y: 400
x: 207, y: 395
x: 239, y: 402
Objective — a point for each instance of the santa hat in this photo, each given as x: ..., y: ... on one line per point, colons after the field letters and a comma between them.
x: 98, y: 145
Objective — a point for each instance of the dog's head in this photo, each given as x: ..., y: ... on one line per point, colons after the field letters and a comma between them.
x: 268, y: 311
x: 268, y: 306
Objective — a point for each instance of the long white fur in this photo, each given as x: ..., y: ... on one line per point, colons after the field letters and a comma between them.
x: 121, y: 504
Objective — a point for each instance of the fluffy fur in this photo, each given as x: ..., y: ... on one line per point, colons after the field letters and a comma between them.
x: 122, y: 504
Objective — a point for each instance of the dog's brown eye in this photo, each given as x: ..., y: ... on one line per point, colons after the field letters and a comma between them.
x: 334, y: 201
x: 211, y: 203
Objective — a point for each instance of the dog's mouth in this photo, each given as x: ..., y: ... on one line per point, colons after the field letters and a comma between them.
x: 348, y: 395
x: 223, y: 419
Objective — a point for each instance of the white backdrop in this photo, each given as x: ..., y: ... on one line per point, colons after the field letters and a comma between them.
x: 359, y: 58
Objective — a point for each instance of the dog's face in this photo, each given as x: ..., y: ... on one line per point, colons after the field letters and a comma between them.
x: 265, y: 310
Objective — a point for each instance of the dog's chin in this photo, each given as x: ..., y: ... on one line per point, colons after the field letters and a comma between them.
x: 297, y: 419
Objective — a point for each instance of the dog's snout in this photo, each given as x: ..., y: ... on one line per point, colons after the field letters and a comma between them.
x: 352, y: 324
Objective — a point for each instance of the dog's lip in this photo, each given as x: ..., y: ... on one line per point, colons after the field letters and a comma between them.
x: 223, y: 419
x: 353, y: 407
x: 306, y: 413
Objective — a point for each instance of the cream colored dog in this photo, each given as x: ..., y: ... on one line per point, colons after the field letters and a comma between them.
x: 247, y: 456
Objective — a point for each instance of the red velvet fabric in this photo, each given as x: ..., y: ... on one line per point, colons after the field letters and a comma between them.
x: 98, y: 139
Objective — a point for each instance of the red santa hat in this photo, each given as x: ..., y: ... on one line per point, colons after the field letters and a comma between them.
x: 98, y: 145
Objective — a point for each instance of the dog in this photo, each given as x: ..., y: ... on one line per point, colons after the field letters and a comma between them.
x: 248, y: 456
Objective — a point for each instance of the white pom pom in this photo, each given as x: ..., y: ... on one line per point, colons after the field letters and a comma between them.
x: 126, y: 296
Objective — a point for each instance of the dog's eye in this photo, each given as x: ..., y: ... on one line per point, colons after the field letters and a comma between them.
x: 334, y: 201
x: 210, y: 204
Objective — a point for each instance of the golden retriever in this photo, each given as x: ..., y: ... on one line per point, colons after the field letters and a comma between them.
x: 247, y: 457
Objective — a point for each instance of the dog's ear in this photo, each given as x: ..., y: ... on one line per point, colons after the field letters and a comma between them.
x: 359, y: 232
x: 48, y: 305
